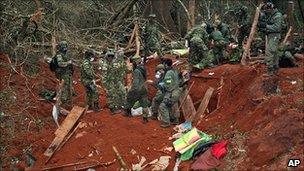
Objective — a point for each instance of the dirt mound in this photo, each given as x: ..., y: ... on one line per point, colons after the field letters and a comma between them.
x: 264, y: 131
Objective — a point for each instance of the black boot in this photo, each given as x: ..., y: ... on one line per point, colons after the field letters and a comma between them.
x: 97, y: 107
x: 145, y: 120
x: 127, y: 113
x: 154, y: 116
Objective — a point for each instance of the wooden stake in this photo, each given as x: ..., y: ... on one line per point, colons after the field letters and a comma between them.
x: 251, y: 35
x: 289, y: 33
x: 120, y: 159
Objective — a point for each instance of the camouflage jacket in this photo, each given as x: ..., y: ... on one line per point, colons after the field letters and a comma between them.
x: 197, y: 31
x: 224, y: 29
x: 139, y: 78
x: 87, y: 72
x: 274, y: 22
x: 151, y: 35
x: 64, y: 66
x: 171, y: 80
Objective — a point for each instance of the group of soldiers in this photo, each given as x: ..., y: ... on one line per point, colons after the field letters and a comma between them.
x: 211, y: 44
x: 207, y: 43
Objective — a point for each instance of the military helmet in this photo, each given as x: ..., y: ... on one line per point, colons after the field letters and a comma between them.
x: 89, y: 53
x: 196, y: 40
x: 110, y: 53
x: 160, y: 67
x: 62, y: 46
x: 136, y: 58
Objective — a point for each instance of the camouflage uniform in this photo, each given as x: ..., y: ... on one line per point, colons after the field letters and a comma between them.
x: 114, y: 72
x: 224, y: 29
x: 168, y: 106
x: 286, y: 56
x: 138, y: 90
x: 160, y: 90
x: 64, y: 72
x: 88, y: 81
x: 152, y: 37
x: 272, y: 27
x: 198, y: 54
x: 218, y: 49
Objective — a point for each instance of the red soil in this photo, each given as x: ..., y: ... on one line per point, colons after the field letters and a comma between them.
x: 272, y: 126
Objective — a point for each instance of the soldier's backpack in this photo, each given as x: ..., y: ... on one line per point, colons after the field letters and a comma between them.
x: 54, y: 64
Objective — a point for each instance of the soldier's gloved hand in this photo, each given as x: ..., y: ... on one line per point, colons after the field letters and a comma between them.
x: 168, y: 102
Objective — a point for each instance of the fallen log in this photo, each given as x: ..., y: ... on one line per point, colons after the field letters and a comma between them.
x: 186, y: 103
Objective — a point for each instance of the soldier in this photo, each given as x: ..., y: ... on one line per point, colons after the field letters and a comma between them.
x: 285, y: 53
x: 113, y: 80
x: 64, y: 71
x: 218, y: 46
x: 167, y: 108
x: 198, y: 53
x: 224, y: 29
x: 152, y: 37
x: 159, y: 84
x: 88, y: 81
x: 138, y: 90
x: 272, y: 26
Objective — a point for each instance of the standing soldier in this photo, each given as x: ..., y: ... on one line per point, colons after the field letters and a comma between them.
x: 152, y: 37
x: 88, y: 81
x: 113, y: 80
x: 272, y: 26
x: 138, y: 90
x: 159, y: 84
x: 167, y: 108
x: 64, y: 71
x: 224, y: 29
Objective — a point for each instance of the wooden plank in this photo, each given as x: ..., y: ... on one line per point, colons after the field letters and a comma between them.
x: 186, y: 103
x: 251, y: 35
x: 203, y: 106
x: 64, y: 129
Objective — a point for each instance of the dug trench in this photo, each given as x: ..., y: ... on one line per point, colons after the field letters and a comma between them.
x: 263, y: 131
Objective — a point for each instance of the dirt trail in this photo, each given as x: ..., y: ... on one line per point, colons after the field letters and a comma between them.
x: 264, y: 131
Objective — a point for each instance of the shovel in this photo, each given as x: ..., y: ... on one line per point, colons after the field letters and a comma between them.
x: 56, y: 106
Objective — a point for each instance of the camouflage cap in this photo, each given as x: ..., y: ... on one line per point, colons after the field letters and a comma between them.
x: 63, y: 44
x: 160, y: 67
x: 136, y: 58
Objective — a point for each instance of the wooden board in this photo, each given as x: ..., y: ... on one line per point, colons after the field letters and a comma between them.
x: 187, y: 104
x: 203, y: 106
x: 64, y: 129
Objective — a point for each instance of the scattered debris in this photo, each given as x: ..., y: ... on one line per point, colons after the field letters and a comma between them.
x: 162, y: 163
x: 139, y: 166
x: 133, y: 152
x: 293, y: 82
x: 211, y: 73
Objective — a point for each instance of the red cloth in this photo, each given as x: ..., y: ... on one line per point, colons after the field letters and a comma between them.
x: 219, y: 150
x: 206, y: 161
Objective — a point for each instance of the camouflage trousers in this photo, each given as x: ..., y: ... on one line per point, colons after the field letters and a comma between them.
x: 92, y: 94
x: 170, y: 113
x: 156, y: 101
x: 272, y: 58
x: 218, y: 54
x: 66, y: 96
x: 116, y: 95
